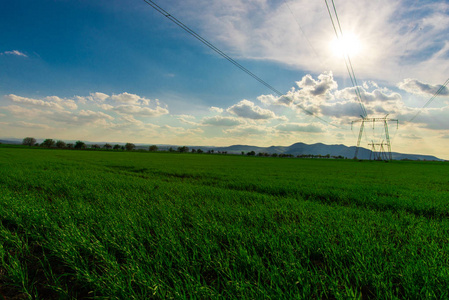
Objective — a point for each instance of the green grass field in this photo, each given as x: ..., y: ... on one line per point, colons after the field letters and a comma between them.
x: 133, y: 225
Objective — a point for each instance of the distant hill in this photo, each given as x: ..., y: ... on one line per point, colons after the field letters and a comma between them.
x: 319, y: 149
x: 11, y: 142
x: 295, y: 149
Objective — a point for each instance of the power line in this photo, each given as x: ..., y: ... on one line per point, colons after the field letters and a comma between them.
x: 348, y: 62
x: 438, y: 92
x: 224, y: 55
x: 302, y: 31
x: 409, y: 37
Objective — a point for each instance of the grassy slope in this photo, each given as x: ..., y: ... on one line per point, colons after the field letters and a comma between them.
x: 134, y: 225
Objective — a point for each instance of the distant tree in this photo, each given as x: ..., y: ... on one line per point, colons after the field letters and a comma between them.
x: 243, y: 152
x: 153, y: 148
x: 80, y: 145
x: 29, y: 141
x: 107, y: 146
x: 199, y: 151
x: 95, y: 146
x: 60, y: 144
x: 117, y: 147
x: 37, y: 145
x: 70, y: 145
x: 171, y: 149
x: 130, y: 146
x: 48, y: 143
x: 251, y: 153
x: 183, y: 149
x: 193, y: 151
x: 274, y: 155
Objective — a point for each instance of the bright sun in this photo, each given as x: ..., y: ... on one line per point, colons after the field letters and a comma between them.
x: 348, y: 44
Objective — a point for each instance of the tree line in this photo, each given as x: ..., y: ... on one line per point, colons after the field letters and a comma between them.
x: 80, y: 145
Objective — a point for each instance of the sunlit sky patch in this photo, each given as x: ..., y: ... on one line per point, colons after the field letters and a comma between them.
x: 119, y: 71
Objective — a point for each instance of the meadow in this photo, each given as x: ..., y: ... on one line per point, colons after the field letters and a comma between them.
x: 138, y: 225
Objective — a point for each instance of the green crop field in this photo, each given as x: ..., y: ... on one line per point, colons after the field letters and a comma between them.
x: 138, y: 225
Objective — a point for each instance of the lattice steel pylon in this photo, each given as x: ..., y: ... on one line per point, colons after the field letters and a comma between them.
x: 378, y: 151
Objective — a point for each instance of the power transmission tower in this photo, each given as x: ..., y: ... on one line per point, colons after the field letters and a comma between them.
x: 377, y: 144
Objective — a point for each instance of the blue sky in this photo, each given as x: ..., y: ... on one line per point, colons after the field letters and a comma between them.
x: 119, y: 71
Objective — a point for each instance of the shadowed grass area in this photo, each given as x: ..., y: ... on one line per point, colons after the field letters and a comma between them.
x: 79, y: 224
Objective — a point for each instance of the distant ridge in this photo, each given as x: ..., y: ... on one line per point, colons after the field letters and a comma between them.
x: 319, y: 149
x: 295, y: 149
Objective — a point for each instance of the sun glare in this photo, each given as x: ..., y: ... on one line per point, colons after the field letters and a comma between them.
x: 346, y: 45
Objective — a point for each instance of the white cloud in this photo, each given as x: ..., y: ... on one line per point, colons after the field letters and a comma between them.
x: 267, y: 99
x: 247, y: 109
x: 377, y: 95
x: 221, y: 121
x: 187, y: 119
x: 94, y: 97
x: 99, y: 96
x: 311, y: 94
x: 216, y: 109
x: 322, y: 87
x: 128, y: 98
x: 34, y: 102
x: 323, y: 99
x: 52, y: 102
x: 70, y: 104
x: 105, y: 106
x: 140, y: 111
x: 14, y: 52
x: 22, y: 112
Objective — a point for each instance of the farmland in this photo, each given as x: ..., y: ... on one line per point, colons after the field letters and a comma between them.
x: 124, y: 225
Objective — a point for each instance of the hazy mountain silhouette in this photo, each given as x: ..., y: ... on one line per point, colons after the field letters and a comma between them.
x: 295, y: 149
x: 318, y: 149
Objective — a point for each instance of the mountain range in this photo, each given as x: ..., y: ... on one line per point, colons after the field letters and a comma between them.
x: 295, y: 150
x: 306, y: 149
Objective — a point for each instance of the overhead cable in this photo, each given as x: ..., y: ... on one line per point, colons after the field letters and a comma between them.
x: 302, y: 31
x: 348, y: 62
x: 228, y: 58
x: 438, y: 92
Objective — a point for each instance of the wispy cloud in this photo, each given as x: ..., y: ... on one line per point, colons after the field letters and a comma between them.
x: 136, y: 110
x: 415, y: 86
x: 24, y: 124
x: 14, y: 52
x: 248, y: 130
x: 222, y: 121
x: 397, y: 37
x: 299, y: 127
